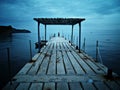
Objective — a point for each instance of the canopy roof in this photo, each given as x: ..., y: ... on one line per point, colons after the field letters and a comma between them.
x: 59, y: 21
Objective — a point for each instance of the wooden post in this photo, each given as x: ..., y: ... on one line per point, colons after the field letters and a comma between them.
x: 77, y: 43
x: 38, y: 37
x: 84, y: 44
x: 45, y: 31
x: 30, y: 50
x: 9, y: 65
x: 68, y: 38
x: 72, y: 35
x: 96, y: 50
x: 79, y: 36
x: 109, y: 74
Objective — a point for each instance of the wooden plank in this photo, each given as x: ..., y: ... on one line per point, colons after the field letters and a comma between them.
x: 47, y: 48
x: 75, y: 64
x: 56, y: 78
x: 61, y: 45
x: 57, y: 46
x: 44, y: 66
x: 75, y: 86
x: 35, y: 57
x: 11, y: 87
x: 23, y: 86
x: 64, y: 44
x: 84, y: 66
x: 103, y: 67
x: 25, y: 69
x: 44, y: 48
x: 62, y: 86
x: 98, y: 70
x: 49, y: 86
x: 101, y: 86
x: 88, y: 86
x: 51, y: 46
x: 36, y: 65
x: 68, y: 66
x: 112, y: 85
x: 59, y: 62
x: 69, y: 46
x: 52, y: 64
x: 36, y: 86
x: 98, y: 64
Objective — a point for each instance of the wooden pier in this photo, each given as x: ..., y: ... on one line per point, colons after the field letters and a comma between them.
x: 59, y: 66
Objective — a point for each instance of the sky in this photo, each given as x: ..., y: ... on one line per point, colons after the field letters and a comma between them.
x: 99, y: 14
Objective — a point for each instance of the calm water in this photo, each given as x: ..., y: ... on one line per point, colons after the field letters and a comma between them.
x: 109, y: 45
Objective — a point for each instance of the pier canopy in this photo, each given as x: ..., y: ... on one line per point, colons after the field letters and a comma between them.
x: 59, y: 21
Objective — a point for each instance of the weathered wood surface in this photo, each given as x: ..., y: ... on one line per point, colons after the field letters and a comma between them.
x: 59, y: 66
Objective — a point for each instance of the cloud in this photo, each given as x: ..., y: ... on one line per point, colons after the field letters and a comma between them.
x: 107, y: 7
x: 17, y: 11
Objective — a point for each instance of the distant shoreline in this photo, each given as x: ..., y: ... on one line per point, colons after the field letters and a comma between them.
x: 8, y: 30
x: 21, y: 31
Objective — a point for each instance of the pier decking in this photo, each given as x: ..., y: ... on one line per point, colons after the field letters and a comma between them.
x: 59, y: 66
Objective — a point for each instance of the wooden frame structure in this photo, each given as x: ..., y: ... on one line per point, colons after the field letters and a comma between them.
x: 59, y: 21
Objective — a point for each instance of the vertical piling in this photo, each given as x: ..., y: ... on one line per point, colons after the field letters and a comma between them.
x: 38, y: 37
x: 68, y: 37
x: 77, y: 42
x: 109, y: 74
x: 30, y: 50
x: 79, y: 36
x: 72, y: 35
x: 45, y: 31
x: 84, y: 44
x: 9, y: 66
x: 97, y: 50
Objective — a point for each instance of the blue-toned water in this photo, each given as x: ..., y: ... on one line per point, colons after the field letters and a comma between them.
x: 109, y: 45
x: 19, y: 53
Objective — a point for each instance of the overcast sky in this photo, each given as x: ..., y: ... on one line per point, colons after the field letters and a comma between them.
x: 102, y: 14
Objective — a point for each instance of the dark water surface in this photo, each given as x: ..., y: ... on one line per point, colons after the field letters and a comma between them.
x: 19, y: 54
x: 109, y: 45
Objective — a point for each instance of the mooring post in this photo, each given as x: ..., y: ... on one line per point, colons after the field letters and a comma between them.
x: 38, y: 37
x: 68, y: 38
x: 84, y: 44
x: 30, y: 50
x: 77, y: 43
x: 79, y: 36
x: 45, y: 31
x: 72, y: 35
x: 97, y: 50
x: 9, y: 66
x: 109, y: 74
x: 74, y: 40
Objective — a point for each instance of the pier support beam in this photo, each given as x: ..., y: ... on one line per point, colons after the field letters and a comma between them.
x: 96, y: 51
x: 9, y: 66
x: 45, y: 31
x: 72, y: 34
x: 79, y: 36
x: 38, y: 37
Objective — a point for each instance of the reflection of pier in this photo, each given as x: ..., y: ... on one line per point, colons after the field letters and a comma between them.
x: 59, y: 66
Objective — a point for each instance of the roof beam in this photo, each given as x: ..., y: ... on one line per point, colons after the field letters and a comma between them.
x: 59, y: 21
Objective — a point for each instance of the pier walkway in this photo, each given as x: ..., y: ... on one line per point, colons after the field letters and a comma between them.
x: 59, y: 66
